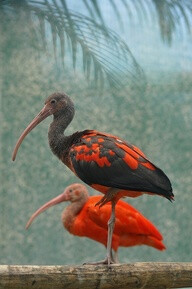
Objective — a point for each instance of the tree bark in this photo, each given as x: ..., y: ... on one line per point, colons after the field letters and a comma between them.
x: 149, y: 275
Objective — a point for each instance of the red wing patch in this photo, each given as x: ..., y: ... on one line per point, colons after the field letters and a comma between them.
x: 93, y: 156
x: 134, y: 156
x: 91, y: 153
x: 138, y: 151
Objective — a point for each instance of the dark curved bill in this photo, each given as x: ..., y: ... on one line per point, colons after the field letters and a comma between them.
x: 45, y: 112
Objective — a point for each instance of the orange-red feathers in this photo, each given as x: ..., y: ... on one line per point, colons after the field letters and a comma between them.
x: 131, y: 227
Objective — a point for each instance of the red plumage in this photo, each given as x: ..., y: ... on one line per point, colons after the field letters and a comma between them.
x: 82, y: 218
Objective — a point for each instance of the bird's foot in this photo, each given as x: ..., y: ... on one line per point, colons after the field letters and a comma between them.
x: 107, y: 197
x: 101, y: 202
x: 107, y: 261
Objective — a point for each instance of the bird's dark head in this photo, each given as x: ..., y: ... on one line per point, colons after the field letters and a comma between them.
x: 57, y: 104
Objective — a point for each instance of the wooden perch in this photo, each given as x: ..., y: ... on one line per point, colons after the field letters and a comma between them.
x: 122, y: 276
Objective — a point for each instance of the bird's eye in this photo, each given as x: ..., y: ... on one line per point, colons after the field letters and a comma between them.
x: 70, y: 190
x: 53, y: 101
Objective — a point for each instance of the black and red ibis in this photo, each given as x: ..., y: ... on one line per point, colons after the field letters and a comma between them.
x: 103, y: 161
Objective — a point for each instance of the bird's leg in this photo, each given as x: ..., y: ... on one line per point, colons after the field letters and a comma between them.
x: 111, y: 224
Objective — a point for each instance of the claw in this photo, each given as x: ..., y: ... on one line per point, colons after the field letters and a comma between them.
x: 109, y: 196
x: 107, y: 261
x: 102, y: 202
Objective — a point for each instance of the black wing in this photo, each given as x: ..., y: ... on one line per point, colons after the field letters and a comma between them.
x: 106, y: 160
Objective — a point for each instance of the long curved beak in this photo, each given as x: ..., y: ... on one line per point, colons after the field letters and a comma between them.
x: 45, y: 112
x: 61, y: 198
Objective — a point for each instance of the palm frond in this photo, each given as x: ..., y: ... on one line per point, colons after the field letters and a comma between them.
x: 107, y: 52
x: 173, y: 15
x: 106, y: 59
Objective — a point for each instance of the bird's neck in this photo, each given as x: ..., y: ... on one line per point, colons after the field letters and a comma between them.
x: 71, y: 212
x: 59, y: 143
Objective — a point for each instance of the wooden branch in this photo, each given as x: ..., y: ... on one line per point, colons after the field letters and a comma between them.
x: 122, y: 276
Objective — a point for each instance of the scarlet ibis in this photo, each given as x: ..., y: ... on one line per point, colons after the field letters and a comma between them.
x: 103, y: 161
x: 82, y: 218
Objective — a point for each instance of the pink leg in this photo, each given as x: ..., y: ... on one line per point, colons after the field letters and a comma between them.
x: 111, y: 223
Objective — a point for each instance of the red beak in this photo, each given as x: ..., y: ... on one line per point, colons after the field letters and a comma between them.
x: 61, y: 198
x: 45, y: 112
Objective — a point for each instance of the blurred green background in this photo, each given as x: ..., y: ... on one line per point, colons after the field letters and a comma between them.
x: 137, y: 85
